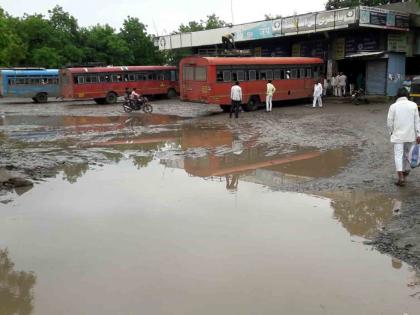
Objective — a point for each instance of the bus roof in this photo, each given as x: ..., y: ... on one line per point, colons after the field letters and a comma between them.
x: 119, y: 69
x: 30, y: 72
x: 256, y: 60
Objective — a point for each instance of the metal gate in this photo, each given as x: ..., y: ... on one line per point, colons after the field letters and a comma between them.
x: 376, y: 77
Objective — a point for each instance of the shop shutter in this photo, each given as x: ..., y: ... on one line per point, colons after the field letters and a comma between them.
x: 376, y: 77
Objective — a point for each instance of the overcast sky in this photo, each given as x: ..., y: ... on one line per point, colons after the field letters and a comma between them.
x: 163, y: 16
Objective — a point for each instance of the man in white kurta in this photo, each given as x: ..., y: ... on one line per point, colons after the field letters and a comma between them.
x: 404, y: 128
x: 317, y: 94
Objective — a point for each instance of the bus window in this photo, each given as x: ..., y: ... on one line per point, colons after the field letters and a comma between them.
x: 269, y: 74
x: 161, y: 76
x: 316, y: 72
x: 240, y: 75
x: 277, y: 75
x: 294, y: 73
x: 308, y: 72
x: 188, y: 73
x: 302, y: 73
x: 80, y: 79
x: 11, y: 81
x: 227, y: 77
x: 219, y: 76
x: 141, y: 76
x: 252, y: 75
x: 94, y: 79
x: 200, y: 74
x: 173, y: 75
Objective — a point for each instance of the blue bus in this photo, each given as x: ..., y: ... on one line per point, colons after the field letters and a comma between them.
x: 38, y: 84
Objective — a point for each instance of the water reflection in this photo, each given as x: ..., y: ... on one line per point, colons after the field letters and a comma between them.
x: 72, y: 171
x: 16, y: 288
x: 362, y: 213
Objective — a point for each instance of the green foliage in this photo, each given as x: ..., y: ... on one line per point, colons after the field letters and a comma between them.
x: 57, y: 41
x: 212, y: 22
x: 337, y: 4
x: 141, y: 48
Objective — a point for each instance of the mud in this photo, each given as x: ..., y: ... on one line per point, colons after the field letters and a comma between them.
x: 340, y: 152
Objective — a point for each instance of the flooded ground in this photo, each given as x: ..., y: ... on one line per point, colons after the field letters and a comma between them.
x: 192, y: 213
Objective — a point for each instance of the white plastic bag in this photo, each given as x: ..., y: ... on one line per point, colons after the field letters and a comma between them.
x: 414, y: 155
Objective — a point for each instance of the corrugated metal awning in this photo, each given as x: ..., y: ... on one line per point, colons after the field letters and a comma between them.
x: 368, y: 54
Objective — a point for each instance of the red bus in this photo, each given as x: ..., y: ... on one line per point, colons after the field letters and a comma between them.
x: 209, y: 79
x: 105, y: 84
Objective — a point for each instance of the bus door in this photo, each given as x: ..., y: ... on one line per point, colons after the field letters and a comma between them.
x: 188, y: 81
x: 306, y: 74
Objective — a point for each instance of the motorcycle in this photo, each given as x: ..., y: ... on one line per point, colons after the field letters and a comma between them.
x: 139, y: 104
x: 359, y: 97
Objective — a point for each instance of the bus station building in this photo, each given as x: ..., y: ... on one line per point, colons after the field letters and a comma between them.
x: 380, y: 43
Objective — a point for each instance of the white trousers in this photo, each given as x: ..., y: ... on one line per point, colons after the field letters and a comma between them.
x: 337, y: 90
x: 342, y: 90
x: 401, y: 156
x: 317, y: 99
x: 269, y: 103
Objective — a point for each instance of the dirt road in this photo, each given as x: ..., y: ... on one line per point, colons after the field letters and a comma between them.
x: 337, y: 151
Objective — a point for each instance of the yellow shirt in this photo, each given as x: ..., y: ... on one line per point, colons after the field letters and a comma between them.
x: 270, y: 89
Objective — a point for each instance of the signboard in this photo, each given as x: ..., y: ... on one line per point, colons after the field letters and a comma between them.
x: 381, y: 18
x: 340, y: 48
x: 259, y: 30
x: 398, y: 42
x: 306, y: 23
x: 358, y: 43
x: 325, y: 20
x: 344, y: 17
x: 290, y: 25
x: 276, y: 27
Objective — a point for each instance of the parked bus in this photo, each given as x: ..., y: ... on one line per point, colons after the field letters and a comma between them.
x: 209, y: 79
x: 105, y: 84
x: 37, y: 84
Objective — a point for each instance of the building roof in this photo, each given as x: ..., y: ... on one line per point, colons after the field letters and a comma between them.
x: 259, y: 60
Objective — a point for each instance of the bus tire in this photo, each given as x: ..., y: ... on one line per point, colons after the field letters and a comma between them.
x: 111, y: 98
x: 41, y: 98
x: 171, y: 94
x: 253, y: 104
x: 99, y: 101
x: 225, y: 108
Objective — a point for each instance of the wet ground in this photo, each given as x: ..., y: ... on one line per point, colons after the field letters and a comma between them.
x: 186, y: 211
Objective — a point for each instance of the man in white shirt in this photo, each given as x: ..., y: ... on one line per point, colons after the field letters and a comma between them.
x: 236, y: 98
x: 334, y: 83
x: 269, y: 98
x: 404, y: 128
x: 342, y: 83
x: 317, y: 94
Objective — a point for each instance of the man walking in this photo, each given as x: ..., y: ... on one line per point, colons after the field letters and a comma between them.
x: 236, y: 98
x: 404, y: 128
x: 269, y: 98
x: 317, y: 94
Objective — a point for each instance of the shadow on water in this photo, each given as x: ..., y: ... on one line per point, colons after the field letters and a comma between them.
x: 16, y: 288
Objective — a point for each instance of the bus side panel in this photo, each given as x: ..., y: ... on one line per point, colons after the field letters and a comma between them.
x: 33, y: 90
x: 3, y: 84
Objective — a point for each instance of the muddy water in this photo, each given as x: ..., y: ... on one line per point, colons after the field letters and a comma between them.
x: 191, y: 219
x: 123, y: 239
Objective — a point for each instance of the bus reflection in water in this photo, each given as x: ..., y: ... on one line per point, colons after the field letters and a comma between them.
x: 209, y: 79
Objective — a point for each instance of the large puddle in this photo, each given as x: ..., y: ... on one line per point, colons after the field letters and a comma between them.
x: 192, y: 219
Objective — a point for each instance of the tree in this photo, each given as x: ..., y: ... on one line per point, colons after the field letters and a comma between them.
x: 210, y: 23
x: 268, y: 17
x: 337, y: 4
x: 101, y: 44
x: 142, y: 50
x: 16, y: 288
x: 213, y: 22
x: 12, y: 49
x: 192, y: 26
